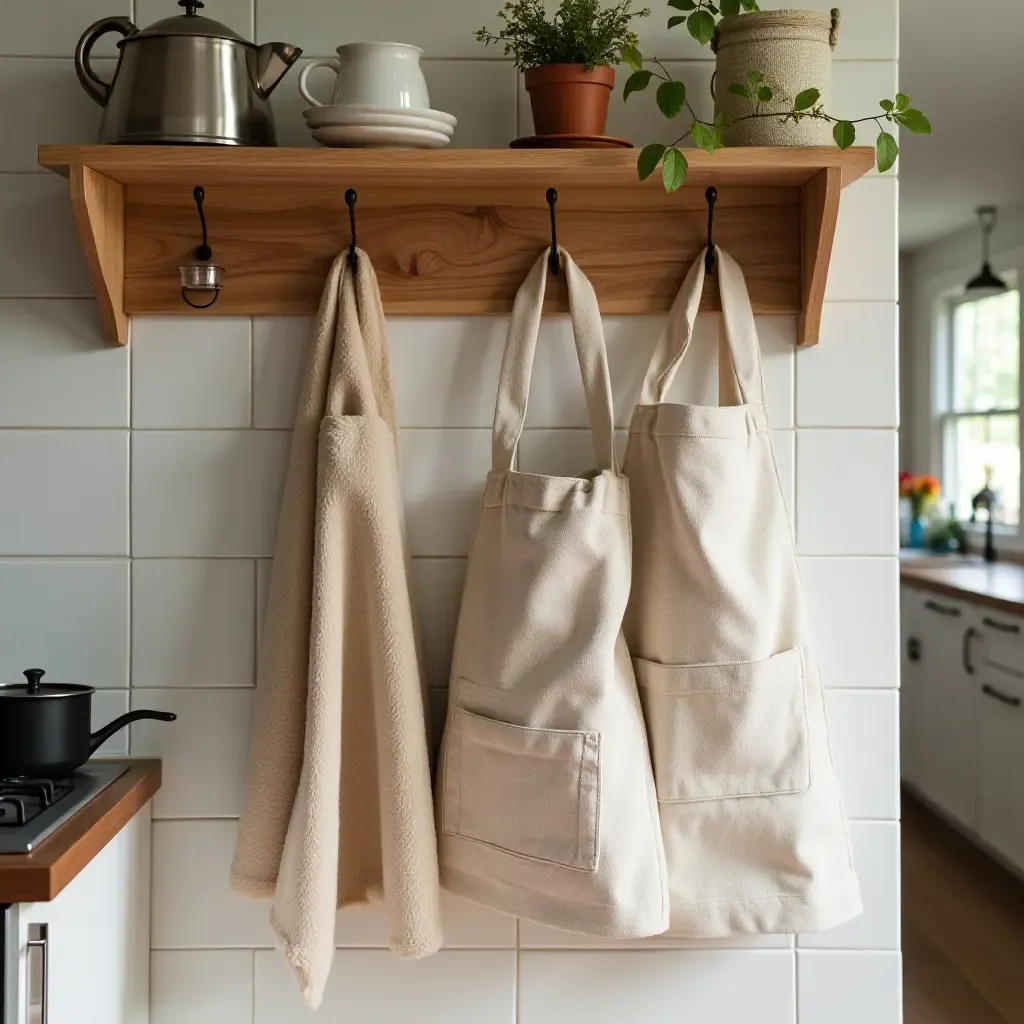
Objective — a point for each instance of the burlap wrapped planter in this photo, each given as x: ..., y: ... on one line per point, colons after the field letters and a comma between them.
x: 793, y: 50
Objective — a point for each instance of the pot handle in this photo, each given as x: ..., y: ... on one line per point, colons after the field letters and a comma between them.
x: 91, y: 82
x: 102, y: 735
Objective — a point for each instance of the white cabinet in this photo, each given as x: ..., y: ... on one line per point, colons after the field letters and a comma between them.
x: 1001, y: 793
x: 941, y: 702
x: 913, y: 741
x: 962, y: 715
x: 94, y: 953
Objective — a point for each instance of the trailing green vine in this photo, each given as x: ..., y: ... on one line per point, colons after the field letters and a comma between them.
x: 700, y: 22
x: 763, y: 98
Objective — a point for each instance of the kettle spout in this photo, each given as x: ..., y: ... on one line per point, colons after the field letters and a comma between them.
x: 272, y: 62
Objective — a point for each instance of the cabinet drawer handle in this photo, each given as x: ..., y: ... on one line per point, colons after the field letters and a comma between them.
x: 913, y: 649
x: 969, y: 634
x: 1004, y: 698
x: 38, y: 980
x: 1003, y: 627
x: 942, y: 609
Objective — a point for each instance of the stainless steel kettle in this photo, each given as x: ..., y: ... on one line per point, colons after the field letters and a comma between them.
x: 186, y: 79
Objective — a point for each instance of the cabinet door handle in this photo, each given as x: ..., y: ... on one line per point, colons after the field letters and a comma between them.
x: 913, y: 649
x: 1003, y: 698
x: 943, y: 609
x: 969, y: 634
x: 1003, y: 627
x: 39, y: 980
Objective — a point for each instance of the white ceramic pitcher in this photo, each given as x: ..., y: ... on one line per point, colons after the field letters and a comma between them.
x: 373, y: 74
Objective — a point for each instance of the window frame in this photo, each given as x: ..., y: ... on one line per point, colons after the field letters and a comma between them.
x: 948, y: 414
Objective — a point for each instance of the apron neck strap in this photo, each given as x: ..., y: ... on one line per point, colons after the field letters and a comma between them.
x: 740, y: 374
x: 517, y: 364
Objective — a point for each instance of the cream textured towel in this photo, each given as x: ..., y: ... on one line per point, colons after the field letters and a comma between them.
x: 338, y: 806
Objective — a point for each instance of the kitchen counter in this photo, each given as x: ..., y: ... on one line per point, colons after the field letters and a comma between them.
x: 40, y: 875
x: 999, y: 585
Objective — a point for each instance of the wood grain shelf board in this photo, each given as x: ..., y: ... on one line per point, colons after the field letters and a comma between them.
x: 40, y: 875
x: 449, y: 232
x: 422, y: 170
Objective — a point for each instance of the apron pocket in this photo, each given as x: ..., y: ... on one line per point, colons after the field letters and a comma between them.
x: 729, y: 730
x: 534, y: 793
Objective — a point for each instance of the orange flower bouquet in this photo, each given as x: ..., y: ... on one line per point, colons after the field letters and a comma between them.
x: 922, y: 491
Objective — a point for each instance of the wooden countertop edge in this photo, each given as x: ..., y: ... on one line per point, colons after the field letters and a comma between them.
x: 40, y: 875
x: 919, y: 577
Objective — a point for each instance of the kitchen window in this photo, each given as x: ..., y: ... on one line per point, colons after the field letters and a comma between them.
x: 981, y: 427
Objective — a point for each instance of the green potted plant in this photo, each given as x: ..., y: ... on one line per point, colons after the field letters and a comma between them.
x: 772, y: 70
x: 567, y: 60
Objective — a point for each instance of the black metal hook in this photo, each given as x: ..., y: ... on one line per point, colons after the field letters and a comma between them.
x: 203, y: 252
x: 709, y: 257
x: 552, y: 198
x: 198, y: 305
x: 350, y: 201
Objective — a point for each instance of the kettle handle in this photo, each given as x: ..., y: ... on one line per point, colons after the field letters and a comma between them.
x: 91, y: 82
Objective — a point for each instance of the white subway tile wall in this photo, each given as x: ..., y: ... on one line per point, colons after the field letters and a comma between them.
x: 161, y: 606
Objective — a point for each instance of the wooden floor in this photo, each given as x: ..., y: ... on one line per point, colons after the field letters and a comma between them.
x: 963, y: 929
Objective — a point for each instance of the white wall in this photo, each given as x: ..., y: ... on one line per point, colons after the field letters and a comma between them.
x: 141, y: 490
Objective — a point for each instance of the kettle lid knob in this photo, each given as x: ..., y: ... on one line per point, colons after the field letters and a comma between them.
x: 33, y: 675
x: 191, y: 6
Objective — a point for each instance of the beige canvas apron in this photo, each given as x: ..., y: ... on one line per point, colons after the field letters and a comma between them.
x: 546, y: 803
x: 750, y: 809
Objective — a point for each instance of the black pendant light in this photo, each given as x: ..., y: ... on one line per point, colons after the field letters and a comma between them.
x: 987, y: 282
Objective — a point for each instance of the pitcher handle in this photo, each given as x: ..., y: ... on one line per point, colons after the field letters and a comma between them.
x: 323, y: 62
x: 91, y: 82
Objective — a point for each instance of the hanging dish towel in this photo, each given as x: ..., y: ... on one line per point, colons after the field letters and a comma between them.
x: 546, y: 803
x: 750, y: 808
x: 338, y: 808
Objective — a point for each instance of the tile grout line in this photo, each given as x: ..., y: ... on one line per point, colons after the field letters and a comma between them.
x: 256, y: 618
x: 432, y: 556
x: 244, y: 428
x: 252, y: 376
x: 482, y: 58
x: 796, y: 983
x: 131, y: 570
x: 518, y: 974
x: 252, y: 1001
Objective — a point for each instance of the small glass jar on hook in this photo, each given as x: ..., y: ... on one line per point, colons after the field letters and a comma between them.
x: 202, y: 275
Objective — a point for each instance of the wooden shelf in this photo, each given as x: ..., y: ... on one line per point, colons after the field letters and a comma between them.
x: 448, y: 231
x: 40, y: 875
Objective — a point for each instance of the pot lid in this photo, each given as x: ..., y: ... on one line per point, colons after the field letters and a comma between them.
x: 188, y: 24
x: 34, y: 688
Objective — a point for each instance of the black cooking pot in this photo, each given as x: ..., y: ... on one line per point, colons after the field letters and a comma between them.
x: 45, y: 729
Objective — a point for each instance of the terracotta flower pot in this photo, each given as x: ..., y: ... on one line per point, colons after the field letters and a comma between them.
x: 566, y: 99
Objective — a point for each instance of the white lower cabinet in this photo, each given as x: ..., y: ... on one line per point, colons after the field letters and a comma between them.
x: 83, y: 958
x: 940, y: 701
x: 913, y: 741
x: 1001, y: 794
x: 962, y: 715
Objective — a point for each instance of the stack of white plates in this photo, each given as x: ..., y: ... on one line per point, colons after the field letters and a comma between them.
x: 349, y: 124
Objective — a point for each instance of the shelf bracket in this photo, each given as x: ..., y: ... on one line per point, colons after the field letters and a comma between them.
x: 819, y: 211
x: 98, y: 204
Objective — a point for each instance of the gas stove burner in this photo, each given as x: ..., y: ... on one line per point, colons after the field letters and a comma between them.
x: 12, y: 811
x: 30, y: 809
x: 23, y: 799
